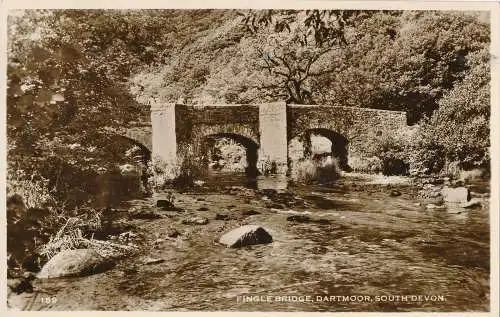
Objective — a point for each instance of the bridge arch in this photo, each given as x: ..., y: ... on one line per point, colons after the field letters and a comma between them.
x: 207, y: 143
x: 145, y: 151
x: 338, y: 146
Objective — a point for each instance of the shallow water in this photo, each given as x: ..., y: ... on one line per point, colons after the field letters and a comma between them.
x: 360, y: 242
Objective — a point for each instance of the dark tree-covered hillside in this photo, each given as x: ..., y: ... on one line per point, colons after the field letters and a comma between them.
x: 71, y: 73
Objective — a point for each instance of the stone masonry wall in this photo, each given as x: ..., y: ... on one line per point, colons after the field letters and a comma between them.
x: 270, y: 126
x: 360, y: 126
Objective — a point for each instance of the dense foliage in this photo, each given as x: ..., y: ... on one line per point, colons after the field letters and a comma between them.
x: 71, y: 73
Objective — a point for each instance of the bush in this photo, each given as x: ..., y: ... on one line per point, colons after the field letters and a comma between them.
x: 179, y: 174
x: 365, y: 165
x: 315, y: 170
x: 39, y: 225
x: 268, y: 167
x: 394, y: 166
x: 390, y: 154
x: 228, y: 155
x: 33, y: 189
x: 456, y: 136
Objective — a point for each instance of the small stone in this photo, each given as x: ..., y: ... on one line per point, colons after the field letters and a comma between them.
x: 152, y: 261
x: 246, y: 235
x: 250, y: 212
x: 437, y: 207
x: 435, y: 194
x: 221, y: 217
x: 128, y: 170
x: 202, y: 209
x: 145, y: 214
x: 20, y: 285
x: 319, y: 250
x: 433, y: 200
x: 195, y: 221
x: 395, y: 193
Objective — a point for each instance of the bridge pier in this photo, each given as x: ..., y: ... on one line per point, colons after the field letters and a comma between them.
x: 164, y: 137
x: 273, y: 151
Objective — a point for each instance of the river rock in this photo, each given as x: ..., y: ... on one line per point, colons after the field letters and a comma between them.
x: 78, y: 262
x: 195, y: 221
x: 249, y: 212
x: 199, y: 183
x: 274, y: 206
x: 166, y: 205
x: 455, y: 195
x: 395, y: 193
x: 221, y: 217
x: 473, y: 203
x: 246, y: 235
x: 22, y: 284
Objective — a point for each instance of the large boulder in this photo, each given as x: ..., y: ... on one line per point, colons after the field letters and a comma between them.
x: 78, y: 262
x: 246, y: 235
x: 455, y: 195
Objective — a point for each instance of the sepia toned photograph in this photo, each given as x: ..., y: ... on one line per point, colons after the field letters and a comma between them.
x: 255, y: 160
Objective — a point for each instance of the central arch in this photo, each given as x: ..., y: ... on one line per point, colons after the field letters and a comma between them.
x: 208, y: 143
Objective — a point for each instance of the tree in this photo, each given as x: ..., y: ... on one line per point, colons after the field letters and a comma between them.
x: 461, y: 123
x: 404, y: 61
x: 282, y: 54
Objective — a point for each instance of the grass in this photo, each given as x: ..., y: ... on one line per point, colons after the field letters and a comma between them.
x: 39, y: 226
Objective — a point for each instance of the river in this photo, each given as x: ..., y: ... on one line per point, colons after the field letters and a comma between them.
x: 358, y: 246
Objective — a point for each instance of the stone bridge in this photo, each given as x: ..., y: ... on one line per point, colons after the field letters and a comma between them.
x: 266, y: 130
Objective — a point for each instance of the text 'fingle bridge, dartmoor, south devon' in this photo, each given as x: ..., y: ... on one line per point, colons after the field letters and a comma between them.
x: 266, y: 130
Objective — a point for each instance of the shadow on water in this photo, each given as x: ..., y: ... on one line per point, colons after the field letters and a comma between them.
x: 325, y: 203
x: 217, y: 180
